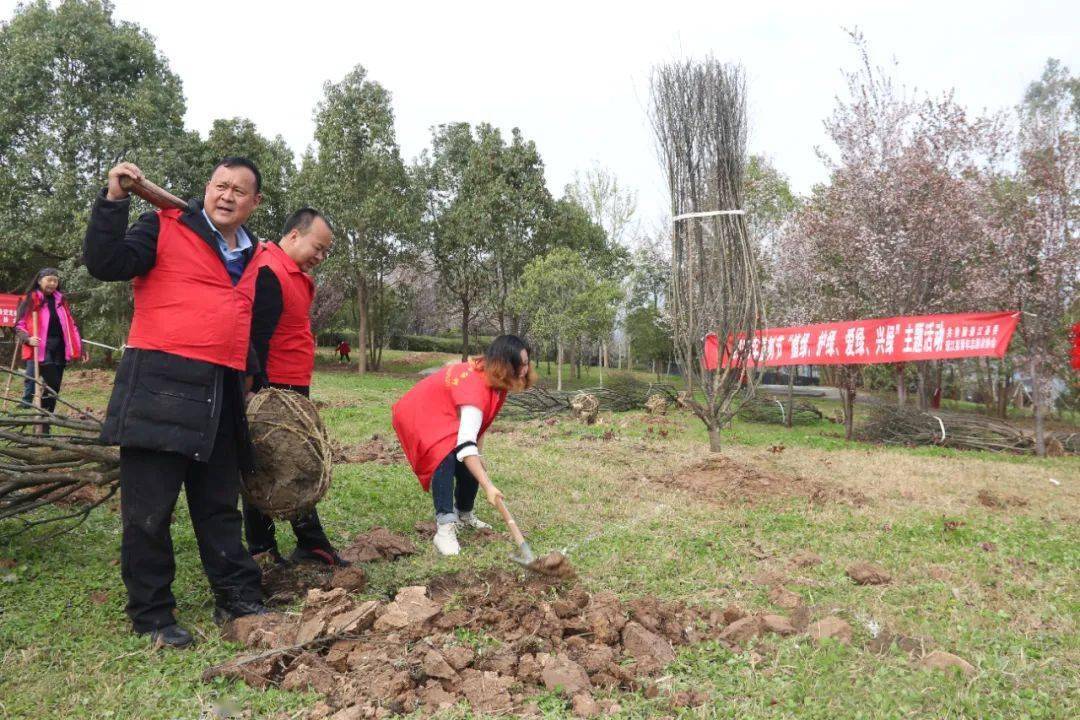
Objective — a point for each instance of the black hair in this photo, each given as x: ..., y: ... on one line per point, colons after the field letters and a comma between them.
x: 507, y: 349
x: 24, y: 304
x: 302, y: 219
x: 240, y: 161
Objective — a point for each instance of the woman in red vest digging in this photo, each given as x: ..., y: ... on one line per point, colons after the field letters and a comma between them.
x: 441, y: 423
x: 48, y: 331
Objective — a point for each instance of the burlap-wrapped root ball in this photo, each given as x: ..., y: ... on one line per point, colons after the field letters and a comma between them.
x: 585, y: 407
x: 292, y: 454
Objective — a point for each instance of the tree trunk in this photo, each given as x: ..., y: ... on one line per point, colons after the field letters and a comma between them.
x: 901, y: 386
x: 1003, y: 397
x: 464, y: 330
x: 790, y: 396
x: 601, y: 364
x: 558, y: 365
x: 924, y: 386
x: 849, y: 413
x: 362, y: 324
x: 847, y: 394
x: 1037, y: 406
x: 714, y: 439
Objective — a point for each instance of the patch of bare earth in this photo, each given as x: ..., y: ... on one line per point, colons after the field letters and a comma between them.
x: 284, y: 584
x: 727, y: 480
x: 948, y: 484
x: 377, y: 450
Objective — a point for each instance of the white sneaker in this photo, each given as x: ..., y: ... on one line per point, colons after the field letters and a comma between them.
x: 446, y: 539
x: 469, y: 519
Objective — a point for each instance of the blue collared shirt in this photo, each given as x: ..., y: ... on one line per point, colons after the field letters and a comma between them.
x: 235, y: 262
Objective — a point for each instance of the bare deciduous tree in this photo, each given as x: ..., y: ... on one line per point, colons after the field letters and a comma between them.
x: 699, y: 115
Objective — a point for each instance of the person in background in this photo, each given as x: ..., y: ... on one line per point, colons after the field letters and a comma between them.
x: 47, y: 329
x: 441, y: 423
x: 285, y: 348
x: 343, y: 350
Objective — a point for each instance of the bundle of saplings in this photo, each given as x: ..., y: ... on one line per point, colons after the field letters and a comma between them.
x: 774, y: 411
x: 893, y: 425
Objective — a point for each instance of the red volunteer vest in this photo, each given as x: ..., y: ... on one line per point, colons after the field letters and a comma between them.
x: 187, y: 305
x: 291, y: 359
x: 426, y: 418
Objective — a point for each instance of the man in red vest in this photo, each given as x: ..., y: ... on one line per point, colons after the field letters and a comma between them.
x: 285, y: 348
x: 177, y: 406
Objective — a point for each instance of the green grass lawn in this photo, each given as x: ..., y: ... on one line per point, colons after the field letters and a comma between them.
x: 612, y: 495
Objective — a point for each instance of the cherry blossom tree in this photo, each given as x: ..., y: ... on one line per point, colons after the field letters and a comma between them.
x: 1033, y: 216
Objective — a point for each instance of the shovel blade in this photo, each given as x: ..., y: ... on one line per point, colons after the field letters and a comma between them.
x: 524, y: 555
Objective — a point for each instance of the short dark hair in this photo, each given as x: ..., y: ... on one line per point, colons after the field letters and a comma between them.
x: 302, y: 219
x: 240, y: 161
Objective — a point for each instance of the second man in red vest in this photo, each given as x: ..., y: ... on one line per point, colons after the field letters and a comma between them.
x: 285, y: 348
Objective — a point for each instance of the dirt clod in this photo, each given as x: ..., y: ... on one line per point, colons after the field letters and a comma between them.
x: 742, y: 631
x: 733, y: 613
x: 411, y: 606
x: 941, y: 660
x: 486, y: 691
x: 645, y: 646
x: 866, y: 573
x: 584, y: 706
x: 378, y: 544
x: 352, y: 578
x: 805, y: 559
x: 777, y: 624
x: 830, y: 627
x: 554, y: 564
x: 563, y: 674
x: 782, y: 597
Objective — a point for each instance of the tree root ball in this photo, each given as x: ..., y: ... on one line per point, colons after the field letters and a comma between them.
x: 585, y: 407
x: 292, y: 454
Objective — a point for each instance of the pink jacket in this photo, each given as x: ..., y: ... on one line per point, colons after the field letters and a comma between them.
x: 25, y: 327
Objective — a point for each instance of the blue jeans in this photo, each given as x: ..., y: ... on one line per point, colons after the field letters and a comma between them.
x: 451, y: 496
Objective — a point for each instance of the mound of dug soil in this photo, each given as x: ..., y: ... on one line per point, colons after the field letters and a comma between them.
x: 724, y: 480
x: 283, y: 584
x: 377, y: 450
x: 491, y: 640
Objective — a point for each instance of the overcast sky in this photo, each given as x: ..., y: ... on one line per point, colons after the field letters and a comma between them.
x: 574, y: 75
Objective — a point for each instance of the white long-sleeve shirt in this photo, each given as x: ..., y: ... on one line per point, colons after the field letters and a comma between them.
x: 471, y: 418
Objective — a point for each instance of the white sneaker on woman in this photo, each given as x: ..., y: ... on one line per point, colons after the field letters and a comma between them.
x: 446, y: 539
x: 469, y: 519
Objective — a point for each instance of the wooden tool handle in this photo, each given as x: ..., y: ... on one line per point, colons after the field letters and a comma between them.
x: 156, y: 196
x: 515, y: 533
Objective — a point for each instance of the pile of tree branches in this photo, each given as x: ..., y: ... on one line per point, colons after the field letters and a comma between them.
x: 768, y: 410
x: 894, y: 425
x: 54, y: 477
x: 619, y: 395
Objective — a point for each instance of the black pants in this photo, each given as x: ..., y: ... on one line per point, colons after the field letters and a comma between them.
x: 449, y: 495
x: 150, y: 483
x: 259, y: 529
x: 52, y: 374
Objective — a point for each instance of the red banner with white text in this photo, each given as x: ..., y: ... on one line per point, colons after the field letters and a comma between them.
x: 888, y: 340
x: 8, y: 305
x: 1076, y: 347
